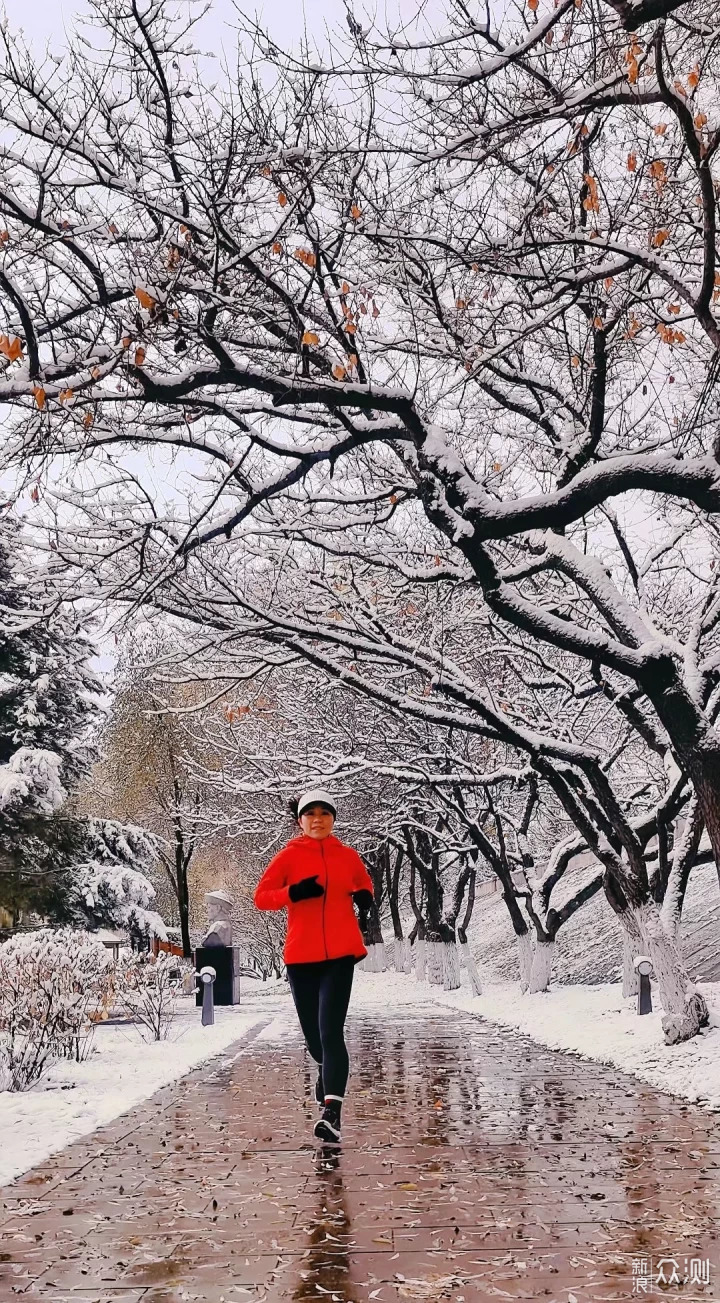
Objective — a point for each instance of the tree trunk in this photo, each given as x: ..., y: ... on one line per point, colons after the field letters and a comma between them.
x: 434, y: 969
x: 451, y: 966
x: 392, y: 887
x: 685, y: 1010
x: 525, y: 957
x: 421, y: 960
x: 631, y: 948
x: 468, y: 963
x: 374, y: 961
x: 542, y: 965
x: 402, y: 955
x: 183, y: 899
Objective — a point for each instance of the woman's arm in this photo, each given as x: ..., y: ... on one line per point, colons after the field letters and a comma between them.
x: 361, y: 879
x: 272, y: 889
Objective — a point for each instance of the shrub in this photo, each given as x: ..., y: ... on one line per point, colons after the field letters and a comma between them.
x: 148, y: 992
x: 54, y: 987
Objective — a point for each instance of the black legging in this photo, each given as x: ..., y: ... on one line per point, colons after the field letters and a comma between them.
x: 322, y: 994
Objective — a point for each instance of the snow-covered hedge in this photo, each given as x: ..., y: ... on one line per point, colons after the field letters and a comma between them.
x: 54, y: 986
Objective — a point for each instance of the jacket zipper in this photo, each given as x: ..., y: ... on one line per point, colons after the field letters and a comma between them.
x: 322, y: 852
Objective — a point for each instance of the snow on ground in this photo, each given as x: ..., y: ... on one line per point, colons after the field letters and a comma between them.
x: 589, y: 945
x: 121, y: 1071
x: 594, y: 1021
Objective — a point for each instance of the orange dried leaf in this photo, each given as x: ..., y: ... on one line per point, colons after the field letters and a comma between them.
x: 700, y: 120
x: 694, y: 77
x: 598, y: 323
x: 575, y: 360
x: 144, y: 299
x: 350, y: 328
x: 679, y: 88
x: 497, y: 466
x: 609, y: 282
x: 674, y: 308
x: 126, y: 341
x: 282, y: 199
x: 355, y: 212
x: 310, y: 338
x: 277, y: 247
x: 345, y: 288
x: 660, y: 129
x: 352, y: 359
x: 659, y: 239
x: 40, y: 396
x: 591, y: 203
x: 533, y: 5
x: 88, y: 420
x: 12, y: 348
x: 4, y: 237
x: 139, y: 356
x: 631, y: 162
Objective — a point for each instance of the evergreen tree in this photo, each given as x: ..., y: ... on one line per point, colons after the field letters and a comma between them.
x: 54, y: 865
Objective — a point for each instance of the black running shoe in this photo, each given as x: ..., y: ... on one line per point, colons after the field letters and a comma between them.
x: 327, y: 1128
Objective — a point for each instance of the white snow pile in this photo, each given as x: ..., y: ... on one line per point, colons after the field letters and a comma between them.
x: 32, y: 777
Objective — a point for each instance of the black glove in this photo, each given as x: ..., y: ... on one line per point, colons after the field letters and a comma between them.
x: 363, y: 899
x: 306, y: 889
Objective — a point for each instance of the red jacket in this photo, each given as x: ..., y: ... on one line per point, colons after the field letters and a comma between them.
x: 324, y: 927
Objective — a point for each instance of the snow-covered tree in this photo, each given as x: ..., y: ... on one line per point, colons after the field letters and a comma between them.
x: 146, y: 771
x: 49, y: 704
x: 475, y: 342
x: 113, y: 884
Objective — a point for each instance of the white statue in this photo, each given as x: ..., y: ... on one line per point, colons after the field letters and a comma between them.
x: 218, y: 904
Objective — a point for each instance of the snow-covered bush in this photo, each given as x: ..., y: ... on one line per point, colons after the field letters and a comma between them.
x: 148, y: 991
x: 54, y: 986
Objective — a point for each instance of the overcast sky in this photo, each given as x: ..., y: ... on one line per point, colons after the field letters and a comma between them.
x: 43, y: 20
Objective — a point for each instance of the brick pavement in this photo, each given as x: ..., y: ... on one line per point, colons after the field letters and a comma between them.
x: 476, y: 1166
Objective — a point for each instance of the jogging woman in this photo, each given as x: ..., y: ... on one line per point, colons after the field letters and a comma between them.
x: 317, y: 878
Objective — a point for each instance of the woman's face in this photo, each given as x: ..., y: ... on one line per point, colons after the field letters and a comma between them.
x: 317, y: 822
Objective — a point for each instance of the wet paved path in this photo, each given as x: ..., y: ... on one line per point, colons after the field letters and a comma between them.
x: 476, y: 1166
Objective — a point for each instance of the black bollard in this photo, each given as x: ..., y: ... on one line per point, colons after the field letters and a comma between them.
x: 643, y: 967
x: 207, y: 978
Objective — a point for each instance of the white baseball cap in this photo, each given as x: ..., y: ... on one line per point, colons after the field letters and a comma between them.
x: 316, y: 797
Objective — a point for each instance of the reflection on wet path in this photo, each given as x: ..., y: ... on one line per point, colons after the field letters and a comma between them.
x: 476, y: 1166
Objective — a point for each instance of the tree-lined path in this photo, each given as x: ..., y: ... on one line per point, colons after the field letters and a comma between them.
x: 477, y: 1165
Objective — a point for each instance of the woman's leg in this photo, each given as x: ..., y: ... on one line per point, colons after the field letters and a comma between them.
x: 335, y: 988
x: 304, y: 981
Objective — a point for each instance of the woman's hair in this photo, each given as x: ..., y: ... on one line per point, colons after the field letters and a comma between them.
x: 292, y: 806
